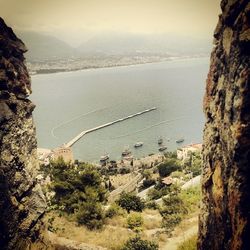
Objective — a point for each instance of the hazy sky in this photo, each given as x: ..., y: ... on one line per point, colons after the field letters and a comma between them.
x: 78, y: 20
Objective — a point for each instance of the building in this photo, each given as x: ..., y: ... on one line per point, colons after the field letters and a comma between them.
x: 167, y: 181
x: 184, y: 152
x: 65, y: 153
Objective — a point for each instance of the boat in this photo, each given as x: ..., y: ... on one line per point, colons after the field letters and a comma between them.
x: 138, y: 144
x: 163, y: 148
x: 160, y: 141
x: 180, y: 140
x: 104, y: 158
x: 126, y: 151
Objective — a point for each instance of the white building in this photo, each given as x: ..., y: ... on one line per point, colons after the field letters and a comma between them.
x: 184, y: 152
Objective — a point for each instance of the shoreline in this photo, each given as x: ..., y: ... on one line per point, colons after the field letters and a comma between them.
x: 170, y: 59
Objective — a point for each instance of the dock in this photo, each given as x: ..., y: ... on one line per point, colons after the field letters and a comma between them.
x: 79, y: 136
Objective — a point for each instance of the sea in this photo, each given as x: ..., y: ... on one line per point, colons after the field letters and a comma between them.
x: 70, y: 102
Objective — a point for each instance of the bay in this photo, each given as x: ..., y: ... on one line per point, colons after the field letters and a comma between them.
x: 68, y: 103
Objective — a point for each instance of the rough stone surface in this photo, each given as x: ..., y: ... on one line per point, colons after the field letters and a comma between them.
x: 224, y: 221
x: 21, y: 201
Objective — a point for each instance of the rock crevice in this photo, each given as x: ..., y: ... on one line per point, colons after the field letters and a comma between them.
x: 22, y: 202
x: 225, y: 212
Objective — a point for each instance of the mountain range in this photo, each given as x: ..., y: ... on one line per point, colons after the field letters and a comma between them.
x: 46, y: 47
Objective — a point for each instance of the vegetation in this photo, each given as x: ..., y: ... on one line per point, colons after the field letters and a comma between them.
x: 189, y: 244
x: 91, y: 215
x: 130, y: 201
x: 151, y: 205
x: 135, y: 222
x: 191, y: 198
x: 114, y: 210
x: 170, y: 165
x: 78, y: 190
x: 138, y: 244
x: 193, y: 163
x: 172, y: 210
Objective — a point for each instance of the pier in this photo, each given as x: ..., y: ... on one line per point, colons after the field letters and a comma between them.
x: 79, y: 136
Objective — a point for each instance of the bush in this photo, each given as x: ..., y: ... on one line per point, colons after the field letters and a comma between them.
x: 158, y: 192
x: 169, y: 166
x: 135, y: 222
x: 124, y: 170
x: 130, y: 202
x: 148, y: 183
x: 152, y: 205
x: 191, y: 198
x: 74, y: 185
x: 113, y: 210
x: 78, y: 190
x: 172, y: 211
x: 138, y: 244
x: 90, y: 214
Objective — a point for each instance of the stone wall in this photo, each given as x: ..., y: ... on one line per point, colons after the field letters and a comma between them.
x: 224, y: 222
x: 21, y: 201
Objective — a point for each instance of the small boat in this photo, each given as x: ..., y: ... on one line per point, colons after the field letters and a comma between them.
x: 180, y: 140
x: 126, y: 151
x: 138, y: 144
x: 163, y: 148
x: 160, y: 141
x: 104, y: 158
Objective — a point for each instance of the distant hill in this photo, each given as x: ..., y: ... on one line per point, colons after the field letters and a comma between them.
x: 42, y: 47
x: 133, y: 43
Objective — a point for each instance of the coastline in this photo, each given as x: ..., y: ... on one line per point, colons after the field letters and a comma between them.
x: 170, y: 59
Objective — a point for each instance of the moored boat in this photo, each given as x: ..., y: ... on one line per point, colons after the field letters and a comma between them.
x: 180, y: 140
x: 126, y: 151
x: 104, y: 158
x: 138, y: 144
x: 163, y: 148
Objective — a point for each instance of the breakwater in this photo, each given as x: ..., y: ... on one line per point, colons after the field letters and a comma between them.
x: 80, y: 135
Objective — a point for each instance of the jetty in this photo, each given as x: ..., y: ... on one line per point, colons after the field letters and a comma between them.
x: 79, y: 136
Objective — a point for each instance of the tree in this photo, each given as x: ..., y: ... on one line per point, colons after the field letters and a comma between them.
x: 79, y: 190
x: 91, y: 215
x: 130, y: 201
x: 172, y: 210
x: 169, y: 166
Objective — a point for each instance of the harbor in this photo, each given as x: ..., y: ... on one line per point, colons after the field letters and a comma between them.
x: 79, y: 136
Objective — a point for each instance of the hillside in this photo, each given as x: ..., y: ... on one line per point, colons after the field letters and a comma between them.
x: 44, y: 47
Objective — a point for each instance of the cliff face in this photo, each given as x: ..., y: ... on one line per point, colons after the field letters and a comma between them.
x: 224, y: 221
x: 21, y: 200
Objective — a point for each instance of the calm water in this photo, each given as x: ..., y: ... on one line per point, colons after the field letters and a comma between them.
x: 68, y: 103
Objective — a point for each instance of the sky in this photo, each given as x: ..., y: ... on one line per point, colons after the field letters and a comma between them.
x: 75, y: 21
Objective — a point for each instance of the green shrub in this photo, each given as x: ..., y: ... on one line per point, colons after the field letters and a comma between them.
x: 157, y: 193
x: 135, y: 222
x: 138, y: 244
x: 78, y: 190
x: 124, y: 170
x: 177, y: 174
x: 113, y: 210
x: 191, y: 198
x: 151, y: 205
x: 169, y: 166
x: 148, y: 183
x: 75, y: 184
x: 90, y: 214
x: 172, y: 211
x: 130, y: 201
